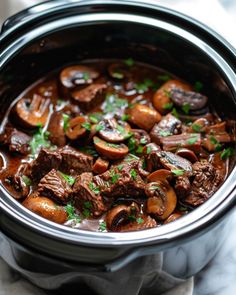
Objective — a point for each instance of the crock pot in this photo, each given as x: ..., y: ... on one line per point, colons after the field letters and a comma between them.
x: 56, y: 33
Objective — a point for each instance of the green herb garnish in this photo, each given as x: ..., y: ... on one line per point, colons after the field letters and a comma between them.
x: 89, y: 150
x: 164, y: 77
x: 196, y: 127
x: 164, y: 133
x: 129, y: 62
x: 66, y: 120
x: 86, y: 213
x: 125, y: 117
x: 154, y: 187
x: 139, y: 150
x: 113, y: 103
x: 94, y: 188
x: 168, y: 106
x: 99, y: 127
x: 86, y: 76
x: 117, y: 75
x: 88, y: 205
x: 131, y: 144
x: 120, y: 167
x: 167, y: 93
x: 95, y: 117
x: 186, y: 108
x: 102, y: 226
x: 68, y: 178
x: 70, y: 210
x: 175, y: 113
x: 149, y: 149
x: 133, y: 174
x: 227, y: 153
x: 143, y: 140
x: 86, y: 125
x: 145, y: 85
x: 139, y: 220
x: 40, y: 139
x: 192, y: 140
x: 177, y: 172
x: 26, y: 180
x: 198, y: 86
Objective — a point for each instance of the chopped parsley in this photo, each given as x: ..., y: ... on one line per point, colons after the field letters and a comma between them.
x: 175, y: 113
x: 143, y: 140
x: 125, y: 117
x: 114, y: 176
x: 99, y: 127
x: 102, y: 226
x: 129, y: 62
x: 86, y: 76
x: 132, y: 144
x: 70, y: 210
x: 120, y: 167
x: 139, y: 150
x: 113, y: 103
x: 149, y: 149
x: 182, y: 208
x: 26, y: 180
x: 178, y: 172
x: 165, y: 133
x: 227, y: 153
x: 94, y: 188
x: 214, y: 141
x: 192, y: 140
x: 40, y: 139
x: 168, y: 106
x: 88, y: 205
x: 117, y: 75
x: 86, y: 125
x: 68, y: 178
x: 164, y: 77
x: 145, y: 85
x: 154, y: 187
x: 167, y: 93
x: 132, y: 217
x: 139, y: 220
x: 66, y: 119
x: 198, y: 86
x: 86, y: 213
x: 185, y: 108
x: 196, y: 127
x: 95, y: 117
x: 133, y: 174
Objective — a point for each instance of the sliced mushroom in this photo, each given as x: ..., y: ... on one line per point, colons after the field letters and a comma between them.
x: 139, y: 138
x: 162, y: 199
x: 45, y: 208
x: 111, y: 131
x: 198, y: 125
x: 141, y: 223
x: 175, y: 163
x: 118, y: 71
x: 56, y: 129
x: 76, y: 75
x: 187, y: 154
x: 75, y: 129
x: 169, y: 125
x: 160, y: 175
x: 194, y: 100
x: 120, y: 214
x: 100, y: 166
x: 162, y: 97
x: 89, y: 97
x: 31, y: 114
x: 143, y: 116
x: 110, y: 150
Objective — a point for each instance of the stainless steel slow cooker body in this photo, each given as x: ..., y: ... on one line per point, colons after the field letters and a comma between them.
x: 56, y: 33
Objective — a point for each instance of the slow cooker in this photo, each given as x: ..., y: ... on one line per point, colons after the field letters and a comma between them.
x: 49, y: 35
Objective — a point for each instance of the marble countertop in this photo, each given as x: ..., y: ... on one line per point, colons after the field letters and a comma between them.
x: 219, y: 277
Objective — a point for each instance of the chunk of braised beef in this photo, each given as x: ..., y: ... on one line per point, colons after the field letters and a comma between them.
x: 56, y: 129
x: 45, y: 162
x: 182, y: 186
x: 194, y: 100
x: 144, y: 222
x: 192, y: 141
x: 121, y: 180
x: 87, y: 197
x: 169, y: 125
x: 16, y: 140
x: 54, y: 186
x: 89, y: 97
x: 75, y: 162
x: 205, y: 183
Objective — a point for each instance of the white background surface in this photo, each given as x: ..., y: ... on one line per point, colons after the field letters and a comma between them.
x: 219, y: 277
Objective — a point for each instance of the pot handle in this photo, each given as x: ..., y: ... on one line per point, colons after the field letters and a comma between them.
x: 27, y: 14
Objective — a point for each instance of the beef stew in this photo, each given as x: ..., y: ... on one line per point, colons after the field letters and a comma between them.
x: 113, y: 145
